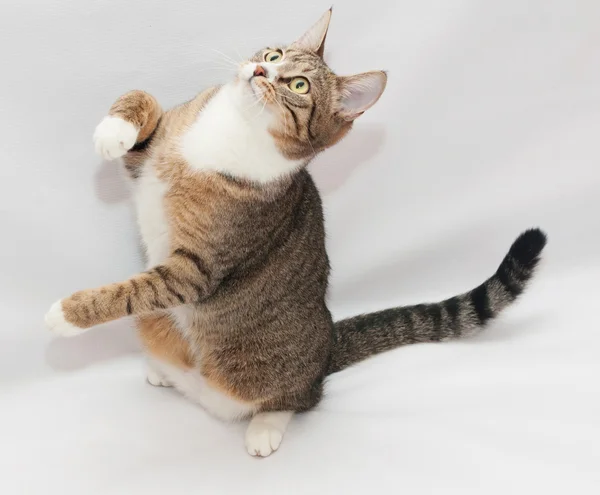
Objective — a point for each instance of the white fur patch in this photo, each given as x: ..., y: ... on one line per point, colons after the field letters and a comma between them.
x: 55, y: 320
x: 265, y: 432
x: 148, y: 194
x: 191, y: 384
x: 183, y: 317
x: 114, y: 137
x: 154, y: 376
x: 231, y: 136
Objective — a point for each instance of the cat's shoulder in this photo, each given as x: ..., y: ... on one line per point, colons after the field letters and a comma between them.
x: 187, y: 112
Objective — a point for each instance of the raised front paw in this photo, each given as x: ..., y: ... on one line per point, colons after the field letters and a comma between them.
x: 55, y: 319
x: 114, y: 137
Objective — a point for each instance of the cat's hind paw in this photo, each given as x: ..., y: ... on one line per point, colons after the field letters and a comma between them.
x: 265, y: 432
x: 156, y: 379
x: 56, y: 322
x: 114, y: 137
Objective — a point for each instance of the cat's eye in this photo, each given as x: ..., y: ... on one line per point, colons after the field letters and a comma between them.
x: 299, y: 85
x: 273, y: 57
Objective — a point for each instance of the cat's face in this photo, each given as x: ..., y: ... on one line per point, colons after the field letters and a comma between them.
x: 312, y: 108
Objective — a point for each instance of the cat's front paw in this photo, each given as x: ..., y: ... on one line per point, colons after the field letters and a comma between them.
x: 56, y: 322
x: 114, y: 137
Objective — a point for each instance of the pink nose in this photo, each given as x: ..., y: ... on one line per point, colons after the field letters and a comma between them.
x: 260, y: 71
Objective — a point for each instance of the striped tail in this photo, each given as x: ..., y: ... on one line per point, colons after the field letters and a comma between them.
x: 363, y: 336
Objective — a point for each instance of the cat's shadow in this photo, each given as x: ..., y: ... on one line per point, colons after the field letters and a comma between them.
x: 110, y: 184
x: 336, y: 165
x: 100, y: 344
x: 113, y: 340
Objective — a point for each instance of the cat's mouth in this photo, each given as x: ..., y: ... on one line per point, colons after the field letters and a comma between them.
x: 262, y: 89
x: 259, y: 77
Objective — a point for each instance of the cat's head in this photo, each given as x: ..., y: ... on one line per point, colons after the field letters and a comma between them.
x: 312, y: 107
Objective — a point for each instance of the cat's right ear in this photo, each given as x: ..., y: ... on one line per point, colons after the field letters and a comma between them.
x: 359, y: 93
x: 314, y: 39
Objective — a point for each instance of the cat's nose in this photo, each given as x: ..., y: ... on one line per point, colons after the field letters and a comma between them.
x: 260, y: 71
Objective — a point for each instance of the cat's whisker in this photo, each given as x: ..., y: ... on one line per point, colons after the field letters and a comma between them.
x: 226, y: 57
x: 265, y: 101
x: 261, y: 110
x: 285, y: 118
x: 221, y: 63
x: 213, y: 68
x: 239, y: 55
x: 255, y: 103
x: 229, y: 59
x: 207, y: 65
x: 312, y: 147
x: 259, y: 99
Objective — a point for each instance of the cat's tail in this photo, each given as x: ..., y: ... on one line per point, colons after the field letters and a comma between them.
x: 363, y: 336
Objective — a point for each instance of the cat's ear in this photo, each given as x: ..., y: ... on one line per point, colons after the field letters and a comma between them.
x: 360, y: 92
x: 314, y: 39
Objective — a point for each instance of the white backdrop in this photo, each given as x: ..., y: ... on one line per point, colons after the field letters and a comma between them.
x: 490, y: 124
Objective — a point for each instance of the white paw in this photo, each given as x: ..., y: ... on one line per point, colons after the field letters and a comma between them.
x: 156, y: 379
x: 55, y: 320
x: 262, y: 439
x: 114, y: 137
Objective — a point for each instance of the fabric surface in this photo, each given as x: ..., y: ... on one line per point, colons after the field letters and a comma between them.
x: 490, y: 124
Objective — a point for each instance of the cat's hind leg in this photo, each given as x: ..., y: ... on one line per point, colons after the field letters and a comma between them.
x: 163, y: 342
x: 267, y: 428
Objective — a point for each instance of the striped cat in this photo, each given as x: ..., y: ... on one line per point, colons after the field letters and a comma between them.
x: 231, y: 309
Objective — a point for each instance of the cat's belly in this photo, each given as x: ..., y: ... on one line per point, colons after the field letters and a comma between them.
x: 191, y: 384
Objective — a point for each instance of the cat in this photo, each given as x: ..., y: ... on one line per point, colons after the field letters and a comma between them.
x: 231, y: 309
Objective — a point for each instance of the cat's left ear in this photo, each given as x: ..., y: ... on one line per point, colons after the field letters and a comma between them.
x: 314, y: 39
x: 359, y: 93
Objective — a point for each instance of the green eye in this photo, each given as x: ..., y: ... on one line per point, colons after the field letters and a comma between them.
x: 272, y: 56
x: 299, y: 85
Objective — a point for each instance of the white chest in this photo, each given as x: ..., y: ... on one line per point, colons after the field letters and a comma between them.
x: 149, y: 193
x: 231, y: 135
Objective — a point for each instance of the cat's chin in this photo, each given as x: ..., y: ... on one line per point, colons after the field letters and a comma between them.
x: 247, y: 89
x: 247, y: 98
x: 257, y: 91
